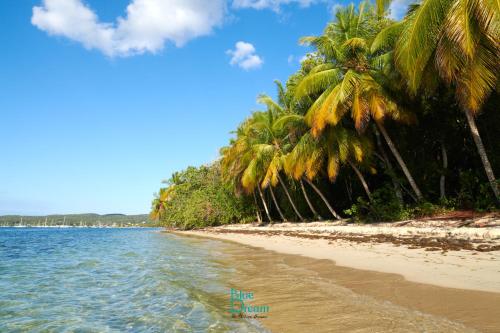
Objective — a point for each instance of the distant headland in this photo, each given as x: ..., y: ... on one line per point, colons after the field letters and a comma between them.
x: 76, y: 220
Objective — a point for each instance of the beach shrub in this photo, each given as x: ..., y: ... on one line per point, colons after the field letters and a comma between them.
x: 485, y: 201
x: 426, y: 208
x: 386, y: 207
x: 475, y: 193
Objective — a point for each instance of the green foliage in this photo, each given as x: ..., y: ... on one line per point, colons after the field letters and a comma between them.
x: 385, y: 207
x: 474, y: 193
x: 379, y: 116
x: 201, y: 198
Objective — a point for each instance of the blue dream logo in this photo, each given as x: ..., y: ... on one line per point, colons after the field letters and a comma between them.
x: 240, y: 307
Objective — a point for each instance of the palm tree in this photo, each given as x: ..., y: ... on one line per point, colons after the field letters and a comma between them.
x: 236, y: 159
x: 159, y: 204
x: 282, y: 216
x: 286, y: 127
x: 346, y: 81
x: 337, y: 146
x: 315, y: 213
x: 257, y: 209
x: 267, y: 161
x: 299, y: 134
x: 459, y: 39
x: 322, y: 196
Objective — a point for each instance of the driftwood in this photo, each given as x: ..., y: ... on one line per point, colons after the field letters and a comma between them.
x: 463, y: 223
x: 403, y: 223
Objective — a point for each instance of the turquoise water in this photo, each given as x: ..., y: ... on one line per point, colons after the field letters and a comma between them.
x: 111, y: 280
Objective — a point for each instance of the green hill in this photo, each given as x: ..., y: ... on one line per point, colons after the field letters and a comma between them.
x: 90, y: 220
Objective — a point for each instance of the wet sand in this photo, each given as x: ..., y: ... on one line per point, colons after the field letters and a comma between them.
x: 316, y: 295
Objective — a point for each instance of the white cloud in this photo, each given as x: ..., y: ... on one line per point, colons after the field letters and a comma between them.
x: 147, y: 26
x: 335, y: 7
x: 244, y: 56
x: 272, y: 4
x: 398, y: 8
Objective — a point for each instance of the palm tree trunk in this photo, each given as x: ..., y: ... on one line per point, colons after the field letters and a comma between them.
x: 265, y: 205
x: 402, y: 164
x: 290, y: 198
x: 362, y: 180
x: 348, y: 189
x: 315, y: 188
x: 482, y: 153
x: 442, y: 180
x: 390, y: 169
x: 257, y: 208
x: 315, y: 213
x: 283, y: 218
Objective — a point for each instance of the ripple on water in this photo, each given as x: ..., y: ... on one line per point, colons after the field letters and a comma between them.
x: 110, y: 280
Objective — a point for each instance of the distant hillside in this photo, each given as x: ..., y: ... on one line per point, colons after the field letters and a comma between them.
x: 117, y: 220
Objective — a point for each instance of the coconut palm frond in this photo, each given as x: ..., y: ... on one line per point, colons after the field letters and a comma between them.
x: 287, y: 123
x: 418, y: 39
x: 270, y: 103
x: 382, y: 6
x: 479, y: 78
x: 317, y: 82
x: 333, y: 167
x: 387, y: 37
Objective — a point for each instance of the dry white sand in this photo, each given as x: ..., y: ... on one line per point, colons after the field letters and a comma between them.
x: 455, y: 269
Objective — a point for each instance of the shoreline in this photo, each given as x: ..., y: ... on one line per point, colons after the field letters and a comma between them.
x: 461, y: 258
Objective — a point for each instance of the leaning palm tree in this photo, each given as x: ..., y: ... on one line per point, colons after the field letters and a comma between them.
x: 336, y: 147
x: 286, y: 127
x: 251, y: 177
x: 159, y: 205
x: 235, y: 160
x: 459, y: 39
x: 267, y: 158
x: 346, y: 83
x: 298, y: 133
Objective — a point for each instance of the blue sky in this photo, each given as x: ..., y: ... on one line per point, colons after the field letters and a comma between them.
x: 99, y: 101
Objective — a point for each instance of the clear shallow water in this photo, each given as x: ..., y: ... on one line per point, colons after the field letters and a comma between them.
x: 111, y: 280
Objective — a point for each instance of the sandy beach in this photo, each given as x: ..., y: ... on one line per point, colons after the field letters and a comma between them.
x: 463, y: 258
x: 433, y: 268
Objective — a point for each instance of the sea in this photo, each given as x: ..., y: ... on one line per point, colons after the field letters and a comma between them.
x: 148, y: 280
x: 113, y: 280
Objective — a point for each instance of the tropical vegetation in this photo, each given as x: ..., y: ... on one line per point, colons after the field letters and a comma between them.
x: 198, y: 197
x: 384, y: 120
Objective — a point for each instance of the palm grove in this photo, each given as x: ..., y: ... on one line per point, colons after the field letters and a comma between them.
x: 383, y: 121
